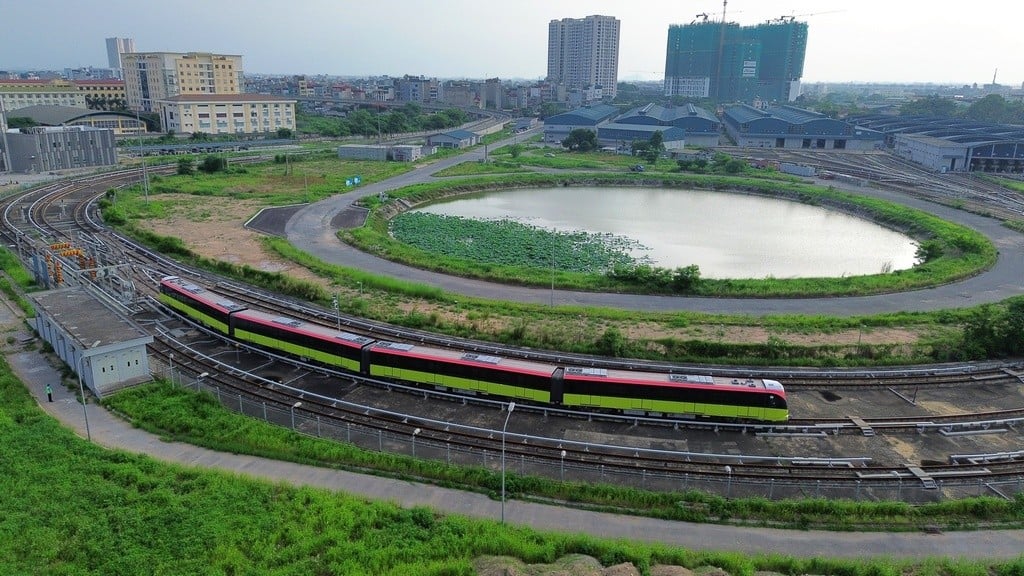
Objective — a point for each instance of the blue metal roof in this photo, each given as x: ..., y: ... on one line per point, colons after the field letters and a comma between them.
x: 460, y: 134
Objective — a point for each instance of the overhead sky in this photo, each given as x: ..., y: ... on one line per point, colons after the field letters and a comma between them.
x: 849, y: 40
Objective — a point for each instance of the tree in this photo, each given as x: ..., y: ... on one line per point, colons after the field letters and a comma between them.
x: 21, y: 122
x: 186, y: 166
x: 927, y: 251
x: 685, y: 279
x: 550, y: 109
x: 213, y: 164
x: 284, y: 133
x: 581, y: 140
x: 934, y: 105
x: 515, y: 150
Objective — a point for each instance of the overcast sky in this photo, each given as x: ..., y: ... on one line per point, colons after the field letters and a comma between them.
x: 849, y: 41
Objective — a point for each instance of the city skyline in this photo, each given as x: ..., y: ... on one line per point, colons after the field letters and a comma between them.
x: 867, y: 41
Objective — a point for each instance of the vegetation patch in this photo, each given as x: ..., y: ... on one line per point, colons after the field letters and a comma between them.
x: 948, y: 253
x: 186, y: 416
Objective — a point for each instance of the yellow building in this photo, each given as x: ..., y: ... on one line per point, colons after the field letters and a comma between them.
x: 102, y: 94
x: 155, y: 76
x: 226, y: 113
x: 16, y: 94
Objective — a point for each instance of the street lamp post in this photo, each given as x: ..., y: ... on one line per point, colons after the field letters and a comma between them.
x: 511, y: 407
x: 337, y: 311
x: 171, y: 374
x: 142, y: 157
x: 414, y: 434
x: 294, y: 406
x: 562, y: 474
x: 81, y: 388
x: 728, y: 485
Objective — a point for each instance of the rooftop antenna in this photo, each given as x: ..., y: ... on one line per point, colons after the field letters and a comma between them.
x: 994, y: 76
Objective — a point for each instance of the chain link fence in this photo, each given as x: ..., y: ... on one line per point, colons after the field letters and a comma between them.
x: 570, y: 470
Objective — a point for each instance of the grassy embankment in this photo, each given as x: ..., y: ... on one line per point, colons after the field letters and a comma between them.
x: 198, y: 419
x: 70, y: 507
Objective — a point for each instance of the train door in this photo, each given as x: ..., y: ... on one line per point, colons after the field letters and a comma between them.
x: 557, y: 385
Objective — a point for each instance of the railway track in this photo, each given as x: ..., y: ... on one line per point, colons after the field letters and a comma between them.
x: 63, y: 212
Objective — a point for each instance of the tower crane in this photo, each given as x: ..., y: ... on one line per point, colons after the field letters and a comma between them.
x: 787, y: 18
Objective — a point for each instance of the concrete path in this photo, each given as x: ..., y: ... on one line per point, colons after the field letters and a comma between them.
x: 111, y: 432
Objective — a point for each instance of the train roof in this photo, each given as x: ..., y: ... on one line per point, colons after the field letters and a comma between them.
x: 465, y: 357
x: 200, y: 294
x: 305, y: 328
x: 754, y: 385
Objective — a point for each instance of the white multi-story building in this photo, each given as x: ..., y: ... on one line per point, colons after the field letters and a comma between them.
x: 584, y: 53
x: 226, y: 113
x: 115, y: 48
x: 153, y: 76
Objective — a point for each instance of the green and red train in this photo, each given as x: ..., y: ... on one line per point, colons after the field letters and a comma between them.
x: 575, y: 387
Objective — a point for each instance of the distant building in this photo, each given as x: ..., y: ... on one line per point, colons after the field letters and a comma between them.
x: 122, y: 123
x: 406, y: 153
x: 622, y: 135
x: 453, y: 139
x: 115, y: 48
x: 226, y: 113
x: 90, y: 73
x: 15, y: 94
x: 377, y: 152
x: 46, y: 149
x: 792, y: 127
x: 584, y: 53
x: 103, y: 94
x: 952, y: 145
x: 153, y: 76
x: 492, y: 94
x: 730, y: 63
x: 701, y: 127
x: 557, y: 127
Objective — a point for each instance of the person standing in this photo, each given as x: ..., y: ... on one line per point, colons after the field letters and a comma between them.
x: 49, y: 393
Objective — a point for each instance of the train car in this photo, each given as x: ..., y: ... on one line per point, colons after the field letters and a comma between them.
x: 461, y: 370
x: 198, y: 303
x: 303, y: 339
x: 672, y: 394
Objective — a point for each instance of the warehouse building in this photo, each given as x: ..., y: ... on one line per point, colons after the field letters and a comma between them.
x: 952, y: 145
x: 792, y: 127
x: 558, y: 127
x: 700, y: 126
x: 45, y: 149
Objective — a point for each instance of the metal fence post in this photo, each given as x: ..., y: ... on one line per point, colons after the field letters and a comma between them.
x: 240, y: 409
x: 265, y: 412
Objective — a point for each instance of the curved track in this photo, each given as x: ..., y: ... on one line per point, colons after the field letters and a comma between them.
x: 45, y: 213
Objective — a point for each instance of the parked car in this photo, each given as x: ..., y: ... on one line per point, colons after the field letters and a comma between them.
x: 637, y: 168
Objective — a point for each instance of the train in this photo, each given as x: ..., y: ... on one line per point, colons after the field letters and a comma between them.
x: 687, y: 396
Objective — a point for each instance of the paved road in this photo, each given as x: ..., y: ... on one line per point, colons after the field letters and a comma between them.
x: 310, y: 230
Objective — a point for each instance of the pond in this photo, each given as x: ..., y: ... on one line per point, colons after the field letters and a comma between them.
x: 727, y: 235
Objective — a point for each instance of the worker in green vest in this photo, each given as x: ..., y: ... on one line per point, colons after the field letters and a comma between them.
x: 49, y: 393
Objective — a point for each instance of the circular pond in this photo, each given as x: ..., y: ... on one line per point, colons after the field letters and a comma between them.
x: 726, y: 235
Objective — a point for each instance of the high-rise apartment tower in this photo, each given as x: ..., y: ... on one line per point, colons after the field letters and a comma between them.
x: 116, y: 47
x: 727, y: 62
x: 584, y: 53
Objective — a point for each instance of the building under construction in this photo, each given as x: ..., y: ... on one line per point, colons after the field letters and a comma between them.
x: 731, y: 63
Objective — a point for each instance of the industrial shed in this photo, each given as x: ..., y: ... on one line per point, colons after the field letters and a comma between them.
x: 105, y: 349
x: 792, y: 127
x: 951, y: 144
x: 622, y: 135
x: 700, y: 126
x: 557, y: 127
